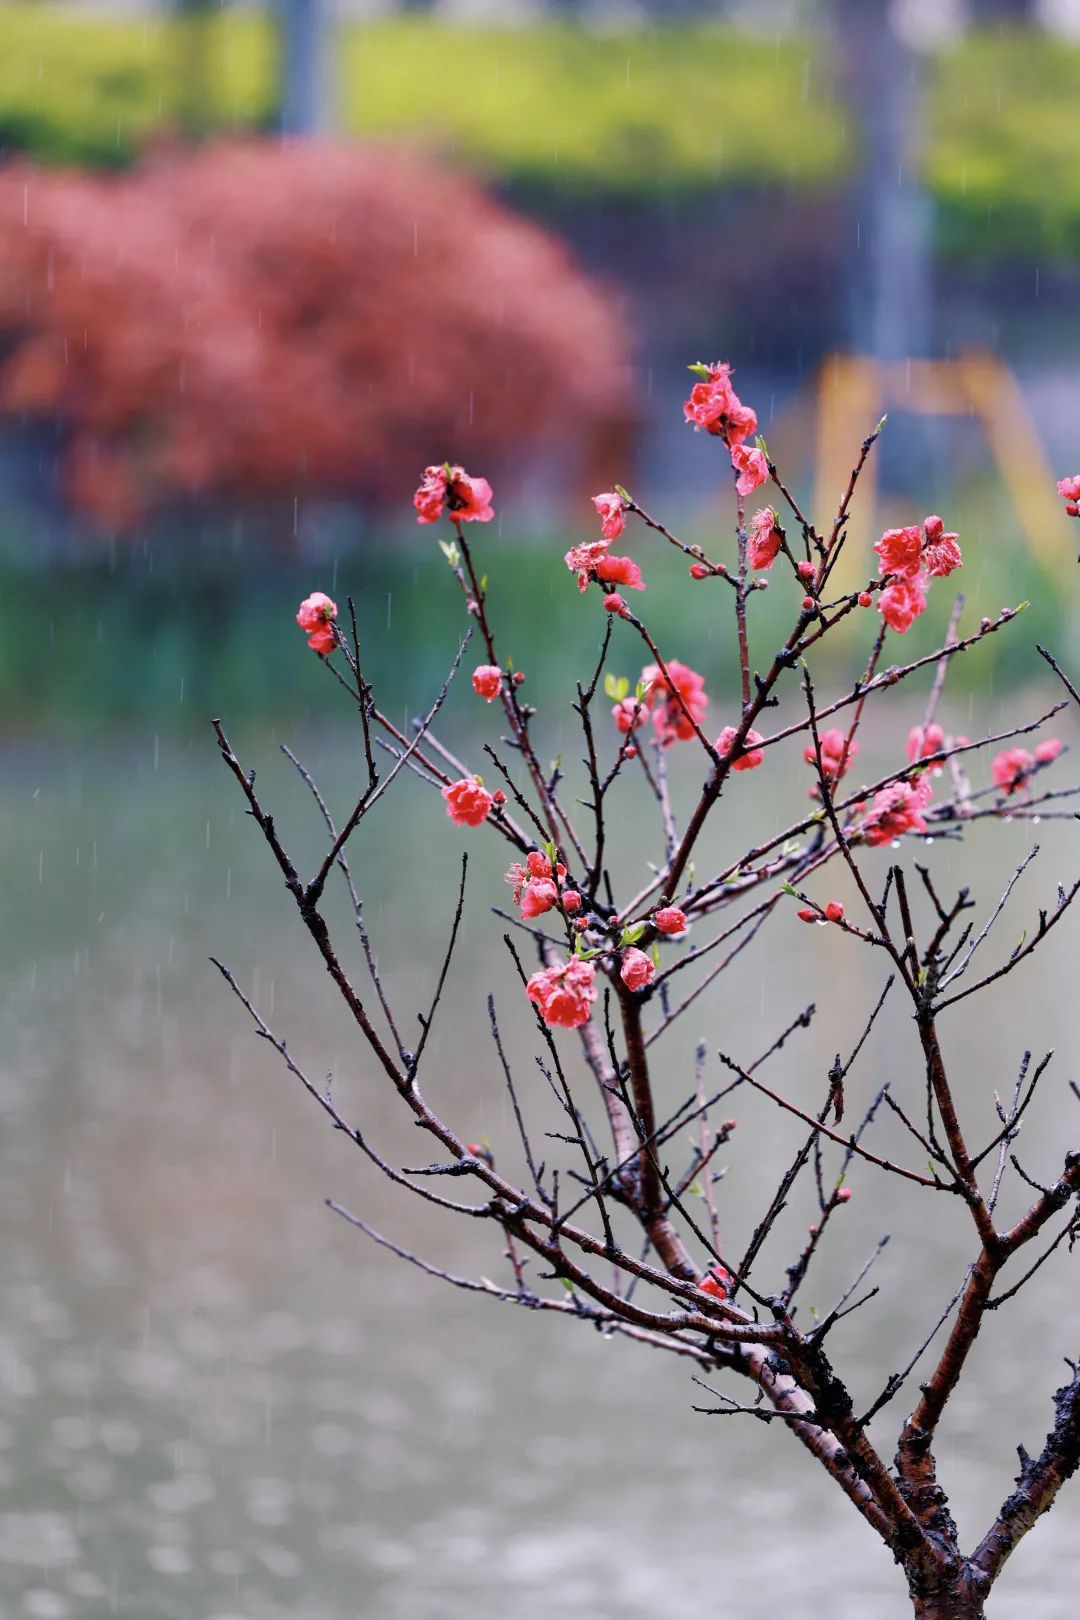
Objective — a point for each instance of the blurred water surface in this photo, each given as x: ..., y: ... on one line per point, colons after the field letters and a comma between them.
x: 217, y: 1402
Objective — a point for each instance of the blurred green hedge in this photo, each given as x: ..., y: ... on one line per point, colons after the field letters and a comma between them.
x: 1003, y: 146
x: 674, y: 108
x: 668, y: 112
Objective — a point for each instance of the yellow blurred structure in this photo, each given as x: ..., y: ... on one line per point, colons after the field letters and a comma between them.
x: 852, y: 392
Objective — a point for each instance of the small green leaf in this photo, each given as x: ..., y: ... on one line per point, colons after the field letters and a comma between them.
x: 700, y: 370
x: 882, y: 423
x: 623, y: 494
x: 631, y: 935
x: 762, y: 446
x: 696, y: 1190
x: 785, y: 888
x: 622, y: 688
x: 611, y: 687
x: 483, y: 583
x: 450, y: 552
x: 567, y: 1284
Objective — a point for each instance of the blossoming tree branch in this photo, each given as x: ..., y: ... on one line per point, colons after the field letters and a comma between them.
x: 624, y: 1237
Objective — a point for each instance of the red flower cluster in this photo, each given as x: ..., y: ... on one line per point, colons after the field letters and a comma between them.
x: 316, y: 618
x: 537, y: 885
x: 897, y: 809
x: 487, y: 681
x: 468, y: 802
x: 749, y: 757
x: 628, y: 714
x: 715, y: 406
x: 670, y: 719
x: 1011, y: 768
x: 837, y: 753
x: 924, y: 741
x: 1069, y: 490
x: 764, y: 539
x: 670, y: 920
x: 564, y: 993
x: 592, y: 561
x: 611, y: 510
x: 636, y: 969
x: 451, y: 490
x: 909, y: 558
x: 752, y: 468
x: 716, y: 1281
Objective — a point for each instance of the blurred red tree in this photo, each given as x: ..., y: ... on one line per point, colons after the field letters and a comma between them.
x: 247, y: 319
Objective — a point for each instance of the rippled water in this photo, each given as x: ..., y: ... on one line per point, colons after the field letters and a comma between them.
x: 217, y: 1402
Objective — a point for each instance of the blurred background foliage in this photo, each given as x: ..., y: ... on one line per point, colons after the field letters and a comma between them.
x: 557, y: 108
x: 223, y: 361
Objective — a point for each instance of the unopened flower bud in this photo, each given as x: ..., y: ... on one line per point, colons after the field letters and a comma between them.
x: 834, y: 911
x: 571, y: 900
x: 805, y: 570
x: 519, y: 676
x: 699, y: 570
x: 614, y: 603
x: 630, y: 752
x: 498, y: 797
x: 806, y: 915
x: 843, y: 1194
x: 808, y: 604
x: 865, y: 599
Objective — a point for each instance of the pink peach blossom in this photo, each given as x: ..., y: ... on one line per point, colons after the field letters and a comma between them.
x: 468, y: 802
x: 612, y: 515
x: 487, y: 681
x: 582, y: 560
x: 901, y: 602
x: 749, y: 757
x: 900, y: 551
x: 315, y: 617
x: 923, y: 741
x: 636, y: 969
x: 942, y: 556
x: 620, y: 571
x: 670, y: 920
x: 670, y: 718
x: 627, y: 714
x: 1048, y: 751
x: 837, y: 753
x: 538, y: 896
x: 896, y: 809
x: 465, y: 499
x: 1011, y: 768
x: 764, y: 539
x: 715, y: 406
x: 564, y: 993
x: 716, y: 1281
x: 752, y: 468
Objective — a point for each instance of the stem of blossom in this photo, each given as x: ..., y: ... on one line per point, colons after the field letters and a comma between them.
x: 658, y: 1227
x: 740, y: 599
x: 553, y: 813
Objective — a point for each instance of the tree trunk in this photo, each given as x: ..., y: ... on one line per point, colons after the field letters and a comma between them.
x: 955, y: 1600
